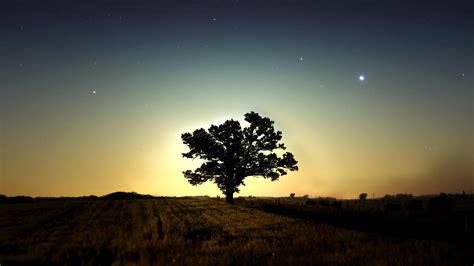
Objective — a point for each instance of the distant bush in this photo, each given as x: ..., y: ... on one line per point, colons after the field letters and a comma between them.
x: 125, y: 196
x: 363, y: 196
x: 393, y: 207
x: 441, y: 204
x: 414, y: 205
x: 387, y: 197
x: 311, y: 202
x: 16, y: 199
x: 403, y: 196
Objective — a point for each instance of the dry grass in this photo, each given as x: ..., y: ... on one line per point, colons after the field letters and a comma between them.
x: 191, y: 231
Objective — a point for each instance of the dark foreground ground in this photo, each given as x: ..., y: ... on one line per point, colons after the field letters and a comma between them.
x: 192, y: 231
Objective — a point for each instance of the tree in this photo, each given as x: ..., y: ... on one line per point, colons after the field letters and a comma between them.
x: 232, y: 153
x: 363, y: 196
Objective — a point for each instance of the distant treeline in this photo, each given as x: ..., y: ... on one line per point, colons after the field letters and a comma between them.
x: 112, y: 196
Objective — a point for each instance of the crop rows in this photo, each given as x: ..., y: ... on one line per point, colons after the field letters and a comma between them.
x: 190, y: 231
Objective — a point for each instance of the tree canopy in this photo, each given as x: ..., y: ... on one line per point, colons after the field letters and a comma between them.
x: 232, y: 153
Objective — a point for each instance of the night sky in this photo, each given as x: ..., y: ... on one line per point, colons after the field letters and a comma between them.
x: 371, y: 97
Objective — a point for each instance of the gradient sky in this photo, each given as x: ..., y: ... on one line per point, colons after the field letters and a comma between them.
x: 95, y: 96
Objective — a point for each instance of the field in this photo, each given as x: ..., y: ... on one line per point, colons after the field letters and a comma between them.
x: 193, y: 231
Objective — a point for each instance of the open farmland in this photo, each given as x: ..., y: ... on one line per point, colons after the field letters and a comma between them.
x: 193, y: 231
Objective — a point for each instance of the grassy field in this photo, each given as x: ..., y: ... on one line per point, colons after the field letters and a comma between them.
x: 192, y: 231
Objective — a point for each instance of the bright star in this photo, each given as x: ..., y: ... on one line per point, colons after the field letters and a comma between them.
x: 301, y: 58
x: 93, y: 92
x: 361, y: 78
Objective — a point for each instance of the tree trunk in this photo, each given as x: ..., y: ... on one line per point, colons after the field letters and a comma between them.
x: 229, y: 183
x: 229, y: 196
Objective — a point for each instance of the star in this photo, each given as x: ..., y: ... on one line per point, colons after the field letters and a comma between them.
x: 462, y: 74
x: 301, y: 58
x: 361, y: 77
x: 214, y: 19
x: 93, y: 92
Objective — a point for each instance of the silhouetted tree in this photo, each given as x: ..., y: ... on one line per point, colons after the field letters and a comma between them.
x: 232, y: 153
x: 363, y: 196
